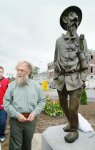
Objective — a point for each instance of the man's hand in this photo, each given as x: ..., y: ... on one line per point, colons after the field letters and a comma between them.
x: 21, y: 118
x: 31, y: 117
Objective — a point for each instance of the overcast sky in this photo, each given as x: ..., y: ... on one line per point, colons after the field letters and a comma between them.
x: 29, y: 29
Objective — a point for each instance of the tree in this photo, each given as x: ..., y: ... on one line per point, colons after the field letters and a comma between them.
x: 35, y: 70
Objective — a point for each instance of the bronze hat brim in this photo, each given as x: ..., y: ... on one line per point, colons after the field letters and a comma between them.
x: 65, y: 13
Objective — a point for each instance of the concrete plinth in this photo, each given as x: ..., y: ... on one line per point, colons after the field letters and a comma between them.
x: 53, y: 139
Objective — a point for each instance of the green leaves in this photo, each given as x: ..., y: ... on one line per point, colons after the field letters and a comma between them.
x: 83, y: 99
x: 53, y: 108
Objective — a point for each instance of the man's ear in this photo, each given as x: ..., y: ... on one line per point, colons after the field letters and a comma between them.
x: 65, y: 19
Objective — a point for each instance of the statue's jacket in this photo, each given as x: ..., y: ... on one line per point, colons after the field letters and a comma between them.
x: 70, y: 63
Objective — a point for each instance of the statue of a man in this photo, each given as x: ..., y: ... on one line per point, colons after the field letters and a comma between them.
x: 70, y: 68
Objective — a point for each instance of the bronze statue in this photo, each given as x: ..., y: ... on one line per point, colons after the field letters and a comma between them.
x: 70, y: 68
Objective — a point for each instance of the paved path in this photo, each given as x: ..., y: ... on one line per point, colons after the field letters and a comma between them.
x: 54, y: 95
x: 91, y: 94
x: 36, y: 143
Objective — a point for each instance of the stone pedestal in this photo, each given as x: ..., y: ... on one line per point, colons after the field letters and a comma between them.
x: 53, y: 139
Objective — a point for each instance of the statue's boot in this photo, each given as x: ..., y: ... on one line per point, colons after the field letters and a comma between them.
x: 67, y: 128
x: 72, y: 136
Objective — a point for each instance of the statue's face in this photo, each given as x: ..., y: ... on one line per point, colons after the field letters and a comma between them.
x: 72, y: 19
x: 72, y: 16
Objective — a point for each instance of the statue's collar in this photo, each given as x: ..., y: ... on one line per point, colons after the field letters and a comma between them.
x: 67, y: 36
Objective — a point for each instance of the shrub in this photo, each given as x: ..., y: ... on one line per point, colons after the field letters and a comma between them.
x: 83, y: 99
x: 53, y: 108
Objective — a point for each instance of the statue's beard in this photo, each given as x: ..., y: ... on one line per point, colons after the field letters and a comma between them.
x: 73, y: 28
x: 22, y: 81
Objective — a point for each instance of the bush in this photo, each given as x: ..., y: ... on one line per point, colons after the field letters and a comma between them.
x: 83, y: 99
x: 53, y: 108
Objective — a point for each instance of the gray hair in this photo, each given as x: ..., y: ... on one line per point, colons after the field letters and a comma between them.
x: 29, y: 66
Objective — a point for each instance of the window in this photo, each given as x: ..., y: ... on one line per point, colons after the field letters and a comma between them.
x: 91, y: 57
x: 91, y: 69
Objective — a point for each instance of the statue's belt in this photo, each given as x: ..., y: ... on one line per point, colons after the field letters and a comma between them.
x: 67, y: 73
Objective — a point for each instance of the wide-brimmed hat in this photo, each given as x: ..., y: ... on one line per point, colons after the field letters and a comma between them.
x: 65, y: 13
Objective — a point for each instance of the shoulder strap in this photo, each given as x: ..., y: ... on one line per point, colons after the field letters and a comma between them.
x: 81, y: 38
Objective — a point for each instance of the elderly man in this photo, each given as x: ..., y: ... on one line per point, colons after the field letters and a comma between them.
x: 24, y: 100
x: 70, y: 68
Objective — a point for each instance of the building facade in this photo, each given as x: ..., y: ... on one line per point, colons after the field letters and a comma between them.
x: 92, y: 63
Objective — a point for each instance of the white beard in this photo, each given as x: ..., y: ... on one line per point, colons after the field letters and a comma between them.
x: 22, y: 81
x: 73, y: 29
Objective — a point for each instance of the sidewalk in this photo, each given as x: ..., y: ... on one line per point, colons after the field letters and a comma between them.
x: 36, y: 143
x: 53, y: 93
